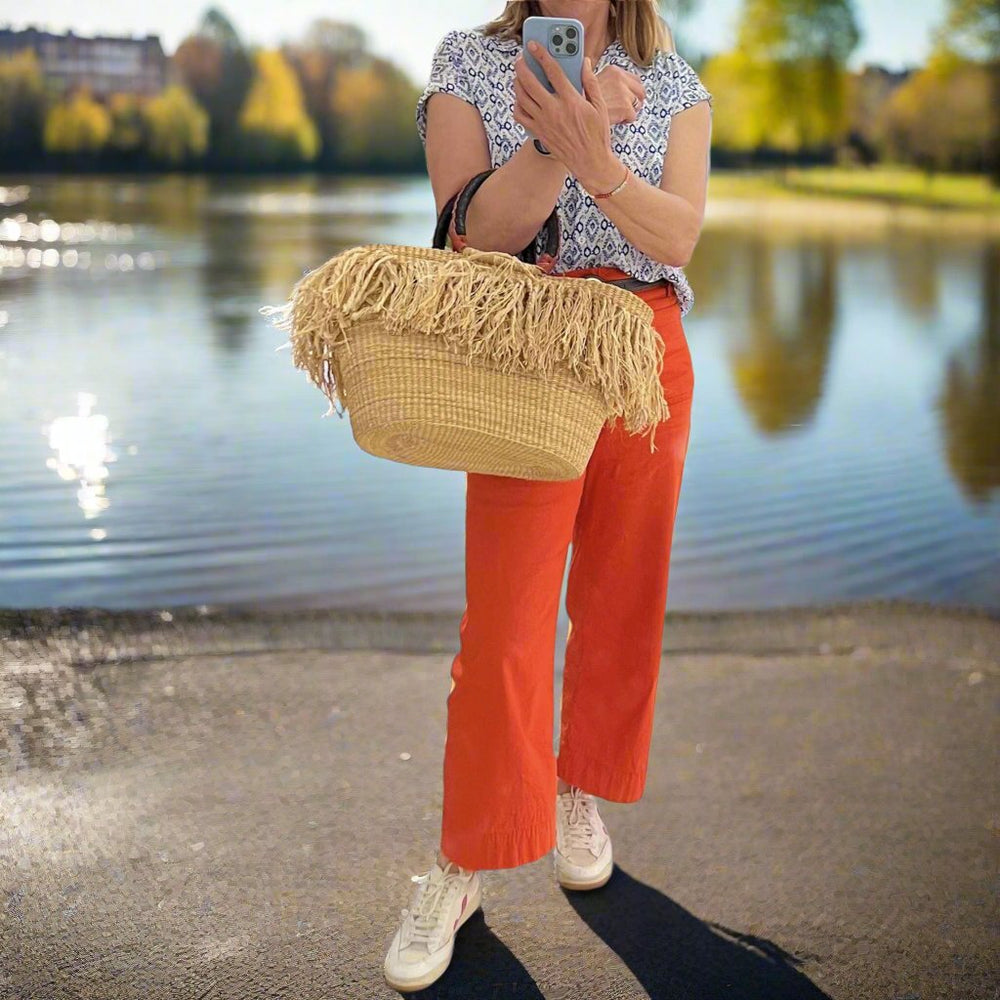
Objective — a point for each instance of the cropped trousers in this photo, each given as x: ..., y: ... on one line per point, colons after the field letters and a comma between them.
x: 500, y: 771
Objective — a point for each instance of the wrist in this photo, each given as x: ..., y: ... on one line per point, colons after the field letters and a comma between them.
x: 530, y: 150
x: 602, y: 176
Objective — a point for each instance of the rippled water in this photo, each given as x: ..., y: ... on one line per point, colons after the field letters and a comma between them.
x: 157, y: 451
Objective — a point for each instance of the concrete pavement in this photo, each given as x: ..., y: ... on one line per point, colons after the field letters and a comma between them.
x: 230, y: 804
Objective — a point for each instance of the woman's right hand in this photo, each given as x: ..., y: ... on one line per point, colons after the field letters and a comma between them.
x: 619, y: 88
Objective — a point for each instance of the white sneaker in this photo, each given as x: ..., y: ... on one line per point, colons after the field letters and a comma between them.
x: 422, y: 946
x: 583, y: 857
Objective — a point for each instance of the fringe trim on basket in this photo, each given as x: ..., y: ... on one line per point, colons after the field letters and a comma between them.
x: 480, y: 303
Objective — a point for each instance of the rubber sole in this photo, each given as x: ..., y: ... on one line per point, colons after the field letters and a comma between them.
x: 595, y: 883
x: 412, y: 985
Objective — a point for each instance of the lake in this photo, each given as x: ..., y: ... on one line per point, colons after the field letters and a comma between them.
x: 157, y: 450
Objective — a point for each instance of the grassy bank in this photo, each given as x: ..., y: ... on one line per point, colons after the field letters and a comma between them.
x: 895, y: 185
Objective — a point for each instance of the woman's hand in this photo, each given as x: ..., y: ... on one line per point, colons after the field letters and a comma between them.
x: 574, y: 127
x: 623, y: 93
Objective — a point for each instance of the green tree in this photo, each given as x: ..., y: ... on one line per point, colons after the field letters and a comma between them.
x: 274, y: 125
x: 971, y: 29
x: 785, y: 84
x: 22, y: 105
x: 178, y: 126
x: 77, y: 124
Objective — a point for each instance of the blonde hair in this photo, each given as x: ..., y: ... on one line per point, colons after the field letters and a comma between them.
x: 637, y: 24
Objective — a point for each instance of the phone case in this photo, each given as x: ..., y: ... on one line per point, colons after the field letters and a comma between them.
x: 550, y: 32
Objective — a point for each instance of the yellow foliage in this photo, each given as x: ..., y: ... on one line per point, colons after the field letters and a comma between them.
x: 356, y: 90
x: 178, y: 125
x: 736, y: 124
x: 23, y: 67
x: 943, y: 115
x: 274, y: 116
x: 22, y: 99
x: 77, y: 125
x: 779, y: 104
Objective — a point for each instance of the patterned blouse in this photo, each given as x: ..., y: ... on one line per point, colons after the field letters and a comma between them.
x: 479, y: 69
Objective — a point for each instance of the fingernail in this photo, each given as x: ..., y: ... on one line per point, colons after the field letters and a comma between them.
x: 533, y: 45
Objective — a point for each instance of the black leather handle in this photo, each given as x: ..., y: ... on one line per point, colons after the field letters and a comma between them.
x: 458, y: 205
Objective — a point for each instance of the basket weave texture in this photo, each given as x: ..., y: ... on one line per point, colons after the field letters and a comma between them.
x: 474, y: 360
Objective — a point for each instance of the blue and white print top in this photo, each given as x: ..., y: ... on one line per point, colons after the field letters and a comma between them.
x: 479, y: 69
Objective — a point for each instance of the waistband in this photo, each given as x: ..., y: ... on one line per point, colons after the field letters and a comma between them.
x: 622, y: 279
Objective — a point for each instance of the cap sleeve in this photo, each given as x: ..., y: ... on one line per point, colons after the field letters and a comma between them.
x: 448, y: 75
x: 682, y: 85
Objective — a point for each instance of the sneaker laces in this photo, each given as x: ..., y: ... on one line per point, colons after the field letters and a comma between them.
x: 425, y: 917
x: 580, y: 827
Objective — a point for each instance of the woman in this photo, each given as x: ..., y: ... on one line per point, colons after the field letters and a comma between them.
x: 630, y: 204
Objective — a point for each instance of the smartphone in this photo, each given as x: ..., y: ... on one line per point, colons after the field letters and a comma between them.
x: 563, y: 38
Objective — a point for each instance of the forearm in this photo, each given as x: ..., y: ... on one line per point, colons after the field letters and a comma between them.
x: 513, y: 203
x: 660, y: 224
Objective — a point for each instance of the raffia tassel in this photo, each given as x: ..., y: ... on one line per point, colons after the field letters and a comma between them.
x: 484, y: 304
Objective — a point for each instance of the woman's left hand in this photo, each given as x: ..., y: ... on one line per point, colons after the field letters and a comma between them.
x: 574, y: 127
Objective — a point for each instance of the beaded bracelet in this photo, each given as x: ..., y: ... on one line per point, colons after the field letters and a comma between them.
x: 614, y: 191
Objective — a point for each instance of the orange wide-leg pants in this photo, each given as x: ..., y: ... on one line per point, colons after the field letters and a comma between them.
x: 500, y: 771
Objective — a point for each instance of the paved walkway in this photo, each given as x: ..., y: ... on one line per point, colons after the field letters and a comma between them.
x: 232, y: 805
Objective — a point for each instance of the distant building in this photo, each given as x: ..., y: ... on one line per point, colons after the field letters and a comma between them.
x: 870, y: 89
x: 104, y: 63
x: 880, y: 82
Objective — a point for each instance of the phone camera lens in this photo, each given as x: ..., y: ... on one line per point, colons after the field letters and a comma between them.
x: 571, y: 32
x: 557, y: 39
x: 571, y: 47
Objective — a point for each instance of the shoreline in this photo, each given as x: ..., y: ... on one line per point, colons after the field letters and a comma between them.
x: 747, y: 197
x: 95, y: 636
x: 845, y: 214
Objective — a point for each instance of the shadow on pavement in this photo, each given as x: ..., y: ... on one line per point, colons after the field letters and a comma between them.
x: 676, y: 956
x: 673, y: 954
x: 482, y: 966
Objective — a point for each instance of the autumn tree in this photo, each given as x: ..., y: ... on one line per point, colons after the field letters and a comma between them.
x: 22, y: 106
x: 971, y: 33
x: 178, y: 126
x: 946, y: 116
x: 77, y: 125
x: 328, y: 48
x: 275, y: 127
x: 940, y: 118
x: 214, y: 65
x: 374, y: 108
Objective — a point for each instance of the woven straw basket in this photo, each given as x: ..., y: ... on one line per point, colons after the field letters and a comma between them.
x: 475, y: 360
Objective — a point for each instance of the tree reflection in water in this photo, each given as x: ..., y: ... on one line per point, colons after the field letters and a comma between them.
x: 779, y: 364
x: 969, y: 401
